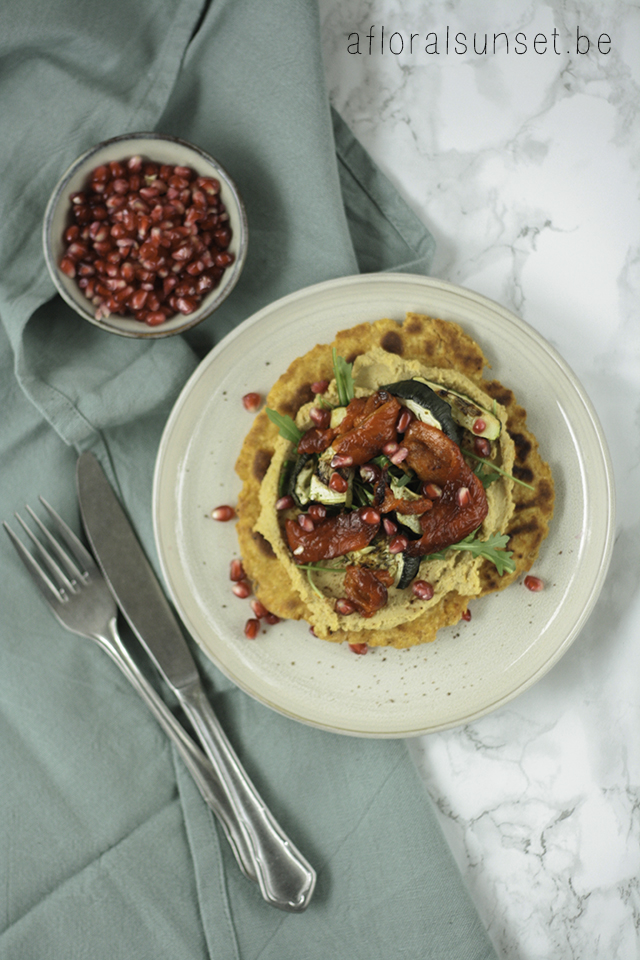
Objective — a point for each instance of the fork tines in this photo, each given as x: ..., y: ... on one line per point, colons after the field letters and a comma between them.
x: 65, y: 569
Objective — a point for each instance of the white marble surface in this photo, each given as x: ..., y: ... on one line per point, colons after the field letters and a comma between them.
x: 526, y: 169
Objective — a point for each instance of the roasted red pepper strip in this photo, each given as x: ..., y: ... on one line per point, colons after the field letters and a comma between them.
x: 404, y: 507
x: 432, y: 455
x: 454, y: 515
x: 374, y: 427
x: 316, y: 440
x: 355, y: 414
x: 332, y: 537
x: 366, y: 589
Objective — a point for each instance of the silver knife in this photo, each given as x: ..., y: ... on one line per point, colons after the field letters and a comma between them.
x: 285, y: 877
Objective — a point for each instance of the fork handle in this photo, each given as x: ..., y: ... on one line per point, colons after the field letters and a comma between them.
x: 286, y: 879
x: 201, y: 770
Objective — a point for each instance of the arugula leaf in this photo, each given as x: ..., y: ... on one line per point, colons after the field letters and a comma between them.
x: 344, y: 380
x: 486, y: 478
x: 492, y: 549
x: 286, y: 426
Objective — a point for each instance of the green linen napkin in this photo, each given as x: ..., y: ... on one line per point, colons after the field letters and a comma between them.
x: 106, y: 848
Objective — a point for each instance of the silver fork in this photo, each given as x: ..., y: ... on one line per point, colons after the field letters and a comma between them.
x: 78, y: 595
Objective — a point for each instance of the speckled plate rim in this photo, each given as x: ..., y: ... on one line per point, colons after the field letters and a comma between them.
x: 513, y: 638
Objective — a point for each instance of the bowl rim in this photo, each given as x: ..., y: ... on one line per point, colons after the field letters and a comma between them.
x: 221, y: 293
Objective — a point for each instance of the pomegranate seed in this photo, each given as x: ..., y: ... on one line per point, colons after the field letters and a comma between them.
x: 186, y: 305
x: 482, y: 446
x: 390, y: 527
x: 463, y: 496
x: 251, y: 401
x: 241, y: 589
x: 284, y: 503
x: 116, y: 212
x: 98, y: 230
x: 236, y: 570
x: 390, y: 448
x: 306, y: 522
x: 251, y: 628
x: 317, y: 511
x: 404, y: 420
x: 422, y: 589
x: 370, y: 472
x: 341, y: 461
x: 479, y: 425
x: 271, y: 619
x: 398, y: 544
x: 369, y: 515
x: 223, y: 513
x: 138, y: 299
x: 321, y: 418
x: 359, y: 648
x: 344, y: 607
x: 401, y: 454
x: 77, y: 251
x: 68, y: 267
x: 535, y: 584
x: 320, y: 386
x: 466, y: 615
x: 210, y: 185
x: 259, y: 609
x: 338, y: 484
x: 432, y: 490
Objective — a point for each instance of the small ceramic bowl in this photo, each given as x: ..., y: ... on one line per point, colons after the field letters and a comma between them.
x: 161, y: 149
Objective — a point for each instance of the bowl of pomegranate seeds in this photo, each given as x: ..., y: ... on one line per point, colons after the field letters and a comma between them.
x: 145, y: 235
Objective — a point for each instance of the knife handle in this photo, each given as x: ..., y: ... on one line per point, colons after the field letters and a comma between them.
x: 213, y: 792
x: 286, y: 879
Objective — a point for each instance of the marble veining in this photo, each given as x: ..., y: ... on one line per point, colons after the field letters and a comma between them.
x: 526, y: 168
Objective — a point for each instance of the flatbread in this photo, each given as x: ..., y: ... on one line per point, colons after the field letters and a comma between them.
x: 436, y: 343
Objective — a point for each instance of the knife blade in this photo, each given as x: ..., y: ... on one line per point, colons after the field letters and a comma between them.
x: 285, y: 878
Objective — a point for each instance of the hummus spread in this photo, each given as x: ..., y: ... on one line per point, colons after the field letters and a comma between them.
x: 455, y: 570
x: 515, y: 485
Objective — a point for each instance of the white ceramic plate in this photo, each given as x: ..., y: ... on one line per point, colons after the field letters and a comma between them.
x: 513, y: 638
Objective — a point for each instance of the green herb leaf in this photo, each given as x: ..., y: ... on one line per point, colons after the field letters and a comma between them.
x: 313, y: 586
x: 361, y: 494
x: 496, y: 468
x: 492, y: 549
x: 404, y: 479
x: 323, y: 568
x: 286, y: 426
x: 344, y: 380
x: 486, y: 477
